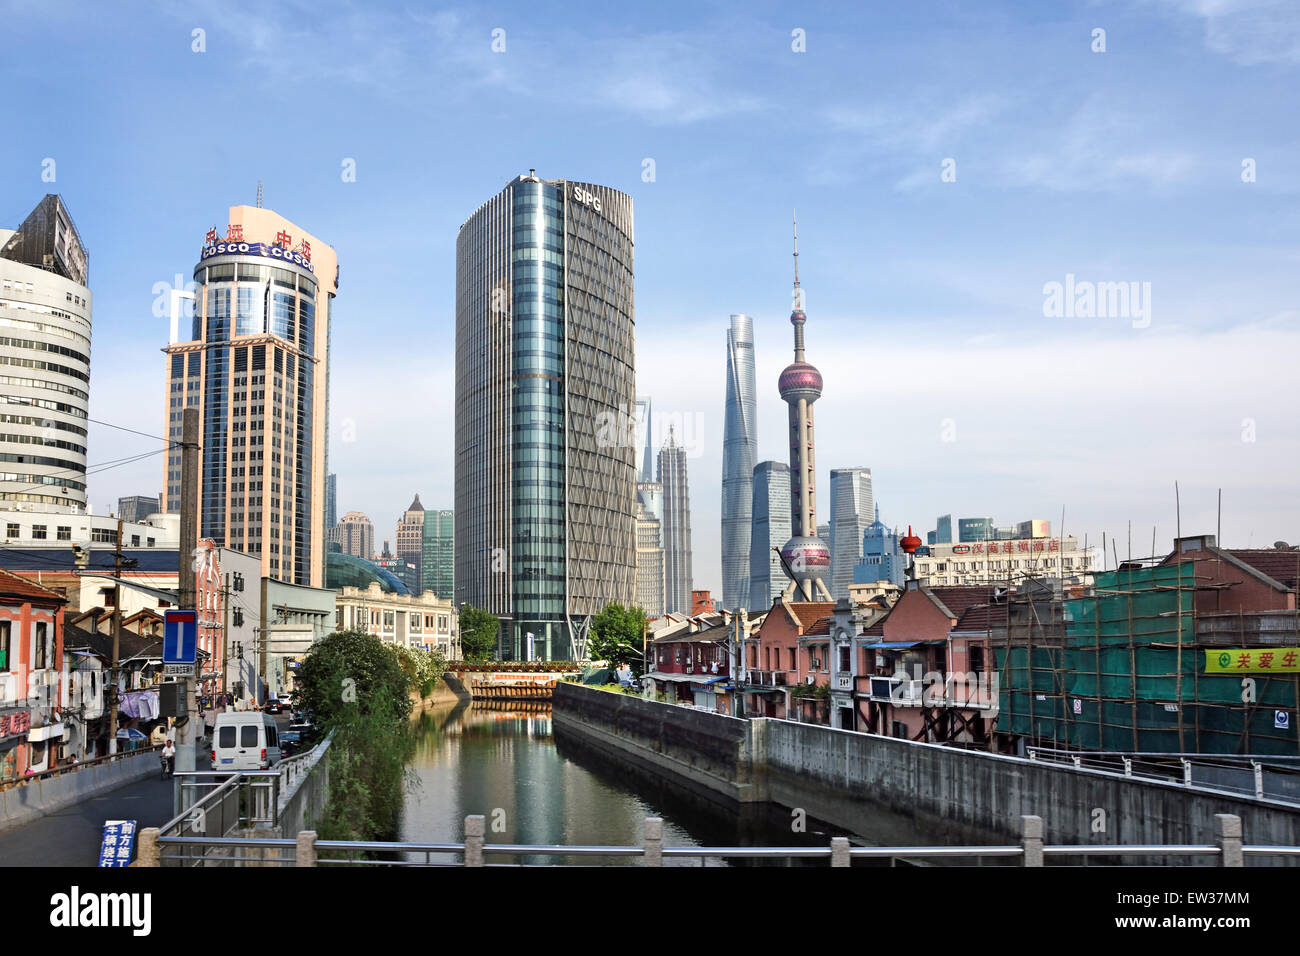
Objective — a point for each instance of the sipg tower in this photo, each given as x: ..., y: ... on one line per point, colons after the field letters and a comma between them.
x: 806, y: 557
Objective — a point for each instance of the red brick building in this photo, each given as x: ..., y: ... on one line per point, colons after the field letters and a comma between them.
x: 31, y: 662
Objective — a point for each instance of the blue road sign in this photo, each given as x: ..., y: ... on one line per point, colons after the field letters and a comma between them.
x: 118, y: 844
x: 180, y: 637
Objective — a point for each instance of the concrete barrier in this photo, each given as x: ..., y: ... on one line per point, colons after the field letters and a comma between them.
x: 893, y: 792
x: 39, y: 797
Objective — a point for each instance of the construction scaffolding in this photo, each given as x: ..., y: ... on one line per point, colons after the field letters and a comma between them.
x: 1122, y: 668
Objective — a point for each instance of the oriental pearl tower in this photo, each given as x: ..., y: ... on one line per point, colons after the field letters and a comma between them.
x: 805, y: 556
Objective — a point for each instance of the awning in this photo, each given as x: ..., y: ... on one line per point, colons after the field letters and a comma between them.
x: 711, y: 680
x: 679, y: 678
x: 899, y: 645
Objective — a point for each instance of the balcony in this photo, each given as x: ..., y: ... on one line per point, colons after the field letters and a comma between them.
x: 902, y: 692
x: 768, y: 678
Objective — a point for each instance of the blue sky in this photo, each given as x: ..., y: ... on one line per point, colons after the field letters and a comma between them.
x: 925, y: 298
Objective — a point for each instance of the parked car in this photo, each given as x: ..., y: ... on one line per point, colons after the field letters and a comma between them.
x: 286, y: 701
x: 245, y: 740
x: 290, y: 742
x: 273, y: 706
x: 306, y: 731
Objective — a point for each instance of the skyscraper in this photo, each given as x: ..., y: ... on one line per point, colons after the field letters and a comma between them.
x: 649, y: 563
x: 852, y: 511
x: 331, y: 501
x: 136, y: 507
x: 44, y: 358
x: 355, y: 535
x: 806, y: 556
x: 645, y: 468
x: 439, y: 564
x: 882, y: 556
x: 410, y: 541
x: 253, y: 363
x: 771, y: 529
x: 739, y: 451
x: 545, y: 533
x: 676, y: 525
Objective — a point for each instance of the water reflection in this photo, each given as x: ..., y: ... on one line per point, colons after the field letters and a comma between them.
x: 500, y: 759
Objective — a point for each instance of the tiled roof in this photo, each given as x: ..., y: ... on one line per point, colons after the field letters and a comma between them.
x: 11, y: 585
x: 958, y: 599
x: 821, y: 626
x: 982, y: 617
x: 806, y: 613
x: 1281, y: 566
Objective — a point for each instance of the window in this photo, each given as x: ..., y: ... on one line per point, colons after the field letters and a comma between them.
x: 976, y: 657
x: 135, y: 541
x: 42, y: 630
x: 390, y: 618
x: 13, y: 530
x: 226, y: 737
x: 65, y: 532
x: 248, y: 735
x: 844, y: 657
x: 38, y: 532
x: 4, y: 645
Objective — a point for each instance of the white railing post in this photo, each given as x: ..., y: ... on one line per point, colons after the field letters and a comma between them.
x: 304, y: 852
x: 1187, y: 771
x: 653, y: 842
x: 840, y: 851
x: 1128, y: 766
x: 1031, y: 839
x: 475, y: 828
x: 1227, y: 835
x: 1259, y: 779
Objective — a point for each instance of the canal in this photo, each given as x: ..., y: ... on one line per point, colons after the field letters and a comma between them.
x: 503, y: 761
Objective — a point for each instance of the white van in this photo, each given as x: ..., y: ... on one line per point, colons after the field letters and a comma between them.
x: 245, y: 741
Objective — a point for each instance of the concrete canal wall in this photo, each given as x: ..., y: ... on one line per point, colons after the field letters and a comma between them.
x: 899, y: 792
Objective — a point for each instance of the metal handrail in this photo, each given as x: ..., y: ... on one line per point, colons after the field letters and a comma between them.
x: 67, y: 768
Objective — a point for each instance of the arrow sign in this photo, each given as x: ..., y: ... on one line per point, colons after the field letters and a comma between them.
x: 180, y: 637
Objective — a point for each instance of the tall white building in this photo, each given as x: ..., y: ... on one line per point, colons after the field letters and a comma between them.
x: 739, y: 455
x: 44, y: 359
x: 852, y: 512
x: 675, y: 526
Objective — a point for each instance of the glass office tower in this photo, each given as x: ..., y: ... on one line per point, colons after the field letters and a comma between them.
x: 739, y: 454
x: 545, y: 384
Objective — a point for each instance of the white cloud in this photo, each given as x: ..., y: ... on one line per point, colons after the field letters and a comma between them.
x: 1248, y: 32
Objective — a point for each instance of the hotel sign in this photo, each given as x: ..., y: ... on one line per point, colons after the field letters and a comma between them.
x: 1255, y: 660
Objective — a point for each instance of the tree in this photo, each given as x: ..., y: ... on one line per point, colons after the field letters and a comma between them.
x: 617, y: 636
x: 478, y: 633
x: 353, y: 670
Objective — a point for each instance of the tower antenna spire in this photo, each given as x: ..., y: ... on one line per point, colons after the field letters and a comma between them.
x: 796, y: 248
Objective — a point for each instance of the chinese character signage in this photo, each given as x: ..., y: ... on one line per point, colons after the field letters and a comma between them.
x: 15, y: 722
x: 119, y: 843
x: 1273, y: 660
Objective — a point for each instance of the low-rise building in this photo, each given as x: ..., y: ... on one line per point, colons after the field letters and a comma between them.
x: 1004, y: 562
x: 31, y: 661
x: 426, y: 621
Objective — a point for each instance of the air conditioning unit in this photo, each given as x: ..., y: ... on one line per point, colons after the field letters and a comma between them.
x: 808, y: 679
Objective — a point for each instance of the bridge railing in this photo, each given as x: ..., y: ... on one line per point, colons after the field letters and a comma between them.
x: 1228, y: 849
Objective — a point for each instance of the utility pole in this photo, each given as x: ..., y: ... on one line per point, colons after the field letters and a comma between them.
x: 225, y: 634
x: 117, y: 642
x: 187, y: 735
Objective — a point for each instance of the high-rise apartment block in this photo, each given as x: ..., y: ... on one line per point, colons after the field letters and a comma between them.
x: 44, y: 358
x: 410, y: 541
x: 545, y: 365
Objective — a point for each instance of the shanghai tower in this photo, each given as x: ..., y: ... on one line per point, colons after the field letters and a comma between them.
x: 739, y: 451
x: 806, y: 557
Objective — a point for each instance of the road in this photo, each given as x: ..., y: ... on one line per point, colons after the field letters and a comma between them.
x: 71, y: 837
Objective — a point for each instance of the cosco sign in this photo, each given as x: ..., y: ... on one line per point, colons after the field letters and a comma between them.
x: 257, y: 249
x: 587, y: 199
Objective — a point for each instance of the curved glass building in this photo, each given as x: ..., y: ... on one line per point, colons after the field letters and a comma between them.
x: 254, y: 364
x: 44, y: 359
x: 739, y: 453
x: 346, y: 570
x: 545, y: 389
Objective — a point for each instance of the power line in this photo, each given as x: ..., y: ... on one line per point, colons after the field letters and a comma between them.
x: 12, y: 400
